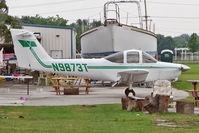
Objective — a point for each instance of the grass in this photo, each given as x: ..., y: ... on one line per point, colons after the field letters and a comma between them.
x: 100, y: 119
x: 192, y: 74
x: 185, y: 60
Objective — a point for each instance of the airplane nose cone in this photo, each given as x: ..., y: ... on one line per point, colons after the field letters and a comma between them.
x: 185, y: 68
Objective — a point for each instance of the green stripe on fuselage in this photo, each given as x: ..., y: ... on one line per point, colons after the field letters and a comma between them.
x: 130, y: 67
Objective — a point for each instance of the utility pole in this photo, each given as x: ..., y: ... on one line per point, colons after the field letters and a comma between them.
x: 146, y: 17
x: 127, y: 17
x: 88, y: 23
x: 154, y: 28
x: 100, y: 16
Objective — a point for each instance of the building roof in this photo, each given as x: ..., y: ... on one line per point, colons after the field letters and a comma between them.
x: 47, y: 26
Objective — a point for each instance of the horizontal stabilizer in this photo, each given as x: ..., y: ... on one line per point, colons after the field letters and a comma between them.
x: 24, y: 34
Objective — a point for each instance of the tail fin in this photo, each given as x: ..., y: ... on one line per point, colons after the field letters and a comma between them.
x: 30, y: 54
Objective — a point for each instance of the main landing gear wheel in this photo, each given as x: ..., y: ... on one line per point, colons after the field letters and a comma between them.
x: 127, y: 91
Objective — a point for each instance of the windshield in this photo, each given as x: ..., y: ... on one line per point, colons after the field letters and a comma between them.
x: 146, y: 58
x: 117, y: 57
x: 132, y: 57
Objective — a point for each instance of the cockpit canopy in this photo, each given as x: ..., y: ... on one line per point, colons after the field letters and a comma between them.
x: 131, y: 56
x: 116, y: 58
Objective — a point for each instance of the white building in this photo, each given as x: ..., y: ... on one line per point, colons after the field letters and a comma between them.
x: 59, y: 42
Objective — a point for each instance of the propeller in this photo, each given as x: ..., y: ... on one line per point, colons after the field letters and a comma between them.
x: 184, y: 68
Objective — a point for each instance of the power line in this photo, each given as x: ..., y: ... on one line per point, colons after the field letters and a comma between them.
x: 170, y: 31
x: 171, y: 3
x: 125, y: 11
x: 174, y: 17
x: 72, y: 1
x: 178, y: 27
x: 47, y: 4
x: 167, y: 17
x: 72, y: 10
x: 176, y: 20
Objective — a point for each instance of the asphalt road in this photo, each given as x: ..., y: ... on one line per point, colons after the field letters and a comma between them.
x: 45, y: 96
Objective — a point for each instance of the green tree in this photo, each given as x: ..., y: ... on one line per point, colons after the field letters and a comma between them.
x: 3, y: 7
x: 193, y: 43
x: 7, y: 22
x: 52, y: 21
x: 96, y: 23
x: 165, y: 43
x: 181, y: 41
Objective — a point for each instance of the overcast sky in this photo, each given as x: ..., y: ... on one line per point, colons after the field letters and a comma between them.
x: 171, y: 17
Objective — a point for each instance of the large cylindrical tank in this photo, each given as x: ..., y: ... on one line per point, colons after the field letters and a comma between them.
x: 113, y: 37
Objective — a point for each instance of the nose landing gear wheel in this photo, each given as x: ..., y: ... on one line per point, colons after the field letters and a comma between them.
x: 127, y: 91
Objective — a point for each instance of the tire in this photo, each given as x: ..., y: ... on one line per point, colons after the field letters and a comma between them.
x: 127, y: 91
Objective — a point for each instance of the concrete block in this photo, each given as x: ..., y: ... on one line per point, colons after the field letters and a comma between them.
x: 185, y: 107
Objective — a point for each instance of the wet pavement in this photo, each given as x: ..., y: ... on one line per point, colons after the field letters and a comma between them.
x: 45, y: 96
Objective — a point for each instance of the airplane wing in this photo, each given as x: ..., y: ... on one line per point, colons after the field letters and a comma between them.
x: 133, y: 76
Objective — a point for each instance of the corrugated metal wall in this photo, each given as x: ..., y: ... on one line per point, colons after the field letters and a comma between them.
x: 56, y: 38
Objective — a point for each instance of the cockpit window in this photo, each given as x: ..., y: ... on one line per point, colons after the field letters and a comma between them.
x: 132, y: 57
x: 117, y: 57
x: 147, y: 58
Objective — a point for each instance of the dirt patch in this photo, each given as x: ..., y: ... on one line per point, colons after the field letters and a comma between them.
x: 89, y: 106
x: 164, y: 123
x: 175, y: 124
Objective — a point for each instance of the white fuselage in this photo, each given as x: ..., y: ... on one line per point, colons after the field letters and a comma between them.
x: 102, y: 69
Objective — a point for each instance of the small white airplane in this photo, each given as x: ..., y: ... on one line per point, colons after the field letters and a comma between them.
x: 128, y: 66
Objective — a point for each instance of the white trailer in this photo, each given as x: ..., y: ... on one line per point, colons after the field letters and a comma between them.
x: 59, y: 42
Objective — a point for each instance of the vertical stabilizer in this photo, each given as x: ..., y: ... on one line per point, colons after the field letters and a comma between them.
x: 29, y: 52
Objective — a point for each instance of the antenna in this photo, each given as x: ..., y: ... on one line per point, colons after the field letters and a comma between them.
x: 127, y: 17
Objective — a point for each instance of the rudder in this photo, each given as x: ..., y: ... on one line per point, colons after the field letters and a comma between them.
x: 29, y: 52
